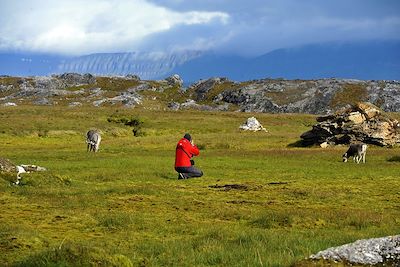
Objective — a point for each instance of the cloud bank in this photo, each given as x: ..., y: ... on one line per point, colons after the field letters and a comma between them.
x: 250, y: 27
x: 88, y: 26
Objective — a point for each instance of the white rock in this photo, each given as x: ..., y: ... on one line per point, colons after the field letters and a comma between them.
x: 324, y: 145
x: 252, y: 124
x: 366, y: 251
x: 9, y: 104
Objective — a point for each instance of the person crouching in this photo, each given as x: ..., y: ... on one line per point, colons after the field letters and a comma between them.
x: 185, y: 150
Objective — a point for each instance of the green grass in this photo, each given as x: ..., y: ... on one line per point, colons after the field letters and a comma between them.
x: 260, y: 202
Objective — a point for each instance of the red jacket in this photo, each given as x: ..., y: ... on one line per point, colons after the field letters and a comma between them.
x: 184, y: 152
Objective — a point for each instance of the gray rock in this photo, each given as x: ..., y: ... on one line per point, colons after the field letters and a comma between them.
x: 366, y: 251
x: 43, y: 102
x: 202, y: 87
x: 75, y: 79
x: 128, y: 99
x: 175, y: 80
x: 75, y: 104
x: 133, y: 77
x: 174, y: 106
x: 236, y: 97
x: 190, y: 104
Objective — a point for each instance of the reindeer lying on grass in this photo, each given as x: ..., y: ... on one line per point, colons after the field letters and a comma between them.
x: 6, y: 166
x: 357, y: 151
x: 93, y: 139
x: 26, y: 169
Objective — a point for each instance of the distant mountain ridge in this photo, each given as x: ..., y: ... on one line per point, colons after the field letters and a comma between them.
x: 363, y: 60
x: 146, y: 65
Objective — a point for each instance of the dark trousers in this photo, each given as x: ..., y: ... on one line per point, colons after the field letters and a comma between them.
x: 189, y: 172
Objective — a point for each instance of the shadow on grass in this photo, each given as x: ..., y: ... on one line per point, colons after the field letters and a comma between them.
x: 298, y: 143
x: 169, y: 176
x: 394, y: 159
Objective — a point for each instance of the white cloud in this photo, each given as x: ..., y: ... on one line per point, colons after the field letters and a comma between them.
x: 252, y: 27
x: 89, y: 26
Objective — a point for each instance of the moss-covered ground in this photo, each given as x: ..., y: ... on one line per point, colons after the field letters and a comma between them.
x: 261, y: 202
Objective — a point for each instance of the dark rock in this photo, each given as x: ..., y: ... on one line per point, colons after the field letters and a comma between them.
x: 202, y: 87
x: 174, y: 106
x: 133, y: 77
x: 232, y: 96
x: 259, y: 103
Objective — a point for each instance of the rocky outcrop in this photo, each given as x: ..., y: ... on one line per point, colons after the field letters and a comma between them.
x: 308, y: 96
x: 128, y: 99
x: 385, y: 250
x: 75, y: 79
x: 174, y: 80
x: 363, y: 122
x: 201, y: 88
x: 133, y: 77
x: 252, y: 124
x: 321, y: 97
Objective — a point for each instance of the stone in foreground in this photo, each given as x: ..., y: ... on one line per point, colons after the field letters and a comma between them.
x: 384, y: 250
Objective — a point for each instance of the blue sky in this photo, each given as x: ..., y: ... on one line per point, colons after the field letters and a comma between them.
x: 251, y: 27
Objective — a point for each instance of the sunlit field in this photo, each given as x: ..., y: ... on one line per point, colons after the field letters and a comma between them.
x: 261, y: 202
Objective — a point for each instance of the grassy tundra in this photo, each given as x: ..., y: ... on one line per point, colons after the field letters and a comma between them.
x: 260, y: 203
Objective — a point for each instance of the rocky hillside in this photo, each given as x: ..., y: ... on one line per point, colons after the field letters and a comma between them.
x: 266, y: 95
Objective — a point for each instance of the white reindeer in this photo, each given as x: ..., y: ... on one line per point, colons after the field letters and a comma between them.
x: 93, y: 139
x: 357, y: 151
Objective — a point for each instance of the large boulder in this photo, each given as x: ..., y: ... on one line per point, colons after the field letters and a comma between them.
x: 362, y: 122
x: 384, y: 250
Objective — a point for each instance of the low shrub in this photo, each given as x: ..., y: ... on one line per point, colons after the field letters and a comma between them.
x: 135, y: 122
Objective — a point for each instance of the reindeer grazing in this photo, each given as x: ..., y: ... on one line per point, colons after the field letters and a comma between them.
x: 357, y: 151
x: 93, y: 139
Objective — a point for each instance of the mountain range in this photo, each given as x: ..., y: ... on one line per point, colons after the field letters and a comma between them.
x: 362, y: 60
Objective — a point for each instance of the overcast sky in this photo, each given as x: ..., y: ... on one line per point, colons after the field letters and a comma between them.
x: 246, y: 27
